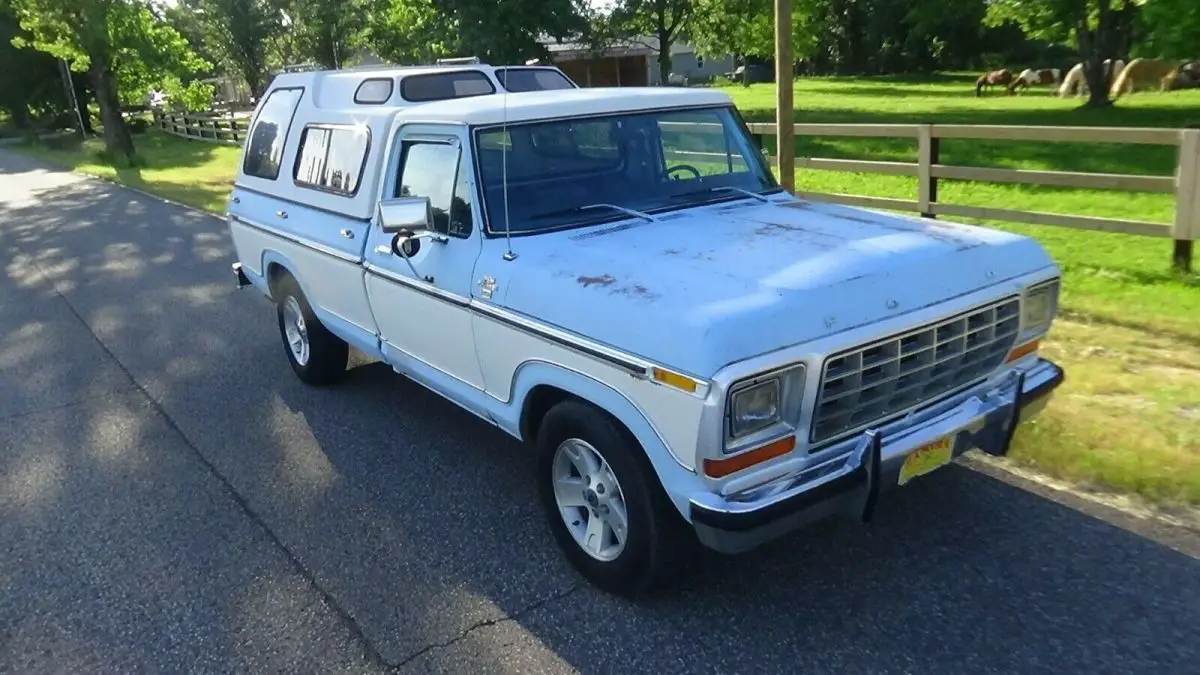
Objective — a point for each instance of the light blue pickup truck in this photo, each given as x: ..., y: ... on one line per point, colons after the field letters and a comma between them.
x: 615, y: 277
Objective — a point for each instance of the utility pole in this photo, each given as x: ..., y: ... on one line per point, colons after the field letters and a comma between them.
x: 785, y: 137
x: 69, y: 84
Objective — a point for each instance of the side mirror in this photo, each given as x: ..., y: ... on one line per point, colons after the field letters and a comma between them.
x: 405, y: 214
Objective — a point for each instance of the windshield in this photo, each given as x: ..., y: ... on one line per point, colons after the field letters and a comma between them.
x: 567, y: 173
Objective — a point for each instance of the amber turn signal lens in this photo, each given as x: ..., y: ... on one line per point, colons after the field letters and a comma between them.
x: 1023, y: 350
x: 719, y: 468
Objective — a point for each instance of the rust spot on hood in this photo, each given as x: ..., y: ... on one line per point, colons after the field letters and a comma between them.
x: 602, y: 280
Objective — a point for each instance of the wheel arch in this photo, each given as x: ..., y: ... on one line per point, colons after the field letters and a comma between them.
x: 538, y: 386
x: 275, y: 266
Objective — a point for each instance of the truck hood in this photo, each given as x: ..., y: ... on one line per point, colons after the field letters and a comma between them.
x: 708, y: 286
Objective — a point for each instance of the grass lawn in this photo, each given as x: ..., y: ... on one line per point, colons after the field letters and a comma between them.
x: 196, y: 173
x: 1128, y: 417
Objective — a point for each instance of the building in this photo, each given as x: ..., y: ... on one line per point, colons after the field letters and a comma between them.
x: 633, y: 63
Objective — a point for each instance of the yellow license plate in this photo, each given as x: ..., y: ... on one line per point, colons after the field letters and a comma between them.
x: 927, y: 458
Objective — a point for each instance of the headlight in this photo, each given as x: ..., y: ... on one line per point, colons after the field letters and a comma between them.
x: 754, y: 407
x: 1037, y: 308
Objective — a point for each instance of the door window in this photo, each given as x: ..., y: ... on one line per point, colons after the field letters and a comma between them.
x: 436, y: 171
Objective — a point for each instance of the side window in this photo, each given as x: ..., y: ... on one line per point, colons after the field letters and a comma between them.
x: 437, y: 171
x: 331, y: 158
x: 264, y: 150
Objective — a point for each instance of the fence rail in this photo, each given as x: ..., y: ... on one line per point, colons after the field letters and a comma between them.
x: 1184, y: 184
x: 226, y: 130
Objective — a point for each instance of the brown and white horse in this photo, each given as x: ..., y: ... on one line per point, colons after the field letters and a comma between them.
x: 1001, y: 77
x: 1030, y: 77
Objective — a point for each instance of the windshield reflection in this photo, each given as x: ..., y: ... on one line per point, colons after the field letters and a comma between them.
x: 560, y: 170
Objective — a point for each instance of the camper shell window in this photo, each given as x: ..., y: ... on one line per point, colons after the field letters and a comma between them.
x: 443, y: 86
x: 532, y: 79
x: 331, y: 157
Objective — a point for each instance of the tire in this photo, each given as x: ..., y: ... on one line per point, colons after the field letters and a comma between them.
x: 653, y: 524
x: 324, y: 359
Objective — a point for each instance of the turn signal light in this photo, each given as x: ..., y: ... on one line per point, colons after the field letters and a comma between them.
x: 1023, y: 350
x: 719, y: 468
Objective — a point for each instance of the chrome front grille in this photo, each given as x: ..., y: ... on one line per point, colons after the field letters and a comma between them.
x: 886, y: 377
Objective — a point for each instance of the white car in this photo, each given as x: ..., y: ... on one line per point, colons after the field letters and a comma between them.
x: 614, y: 277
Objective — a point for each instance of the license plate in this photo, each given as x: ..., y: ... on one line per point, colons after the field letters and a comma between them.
x: 927, y: 458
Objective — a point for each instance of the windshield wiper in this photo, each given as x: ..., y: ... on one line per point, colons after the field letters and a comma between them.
x: 720, y: 188
x: 588, y: 207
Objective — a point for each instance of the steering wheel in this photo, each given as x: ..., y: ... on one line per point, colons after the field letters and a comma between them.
x: 683, y: 167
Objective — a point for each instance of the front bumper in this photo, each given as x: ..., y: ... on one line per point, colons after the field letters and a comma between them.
x: 850, y: 484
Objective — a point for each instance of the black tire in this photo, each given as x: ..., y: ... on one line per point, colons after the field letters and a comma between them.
x: 654, y: 525
x: 328, y: 354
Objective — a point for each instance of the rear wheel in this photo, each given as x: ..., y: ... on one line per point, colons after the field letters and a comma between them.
x: 317, y: 356
x: 602, y: 501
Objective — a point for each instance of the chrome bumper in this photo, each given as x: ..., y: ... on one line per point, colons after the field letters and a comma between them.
x: 850, y: 485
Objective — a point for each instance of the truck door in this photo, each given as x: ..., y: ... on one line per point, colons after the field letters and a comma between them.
x: 424, y: 319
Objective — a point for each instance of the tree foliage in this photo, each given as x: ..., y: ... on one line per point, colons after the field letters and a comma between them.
x: 1172, y: 29
x: 237, y: 33
x: 30, y: 83
x: 121, y: 44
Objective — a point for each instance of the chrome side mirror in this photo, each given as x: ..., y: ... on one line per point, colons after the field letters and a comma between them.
x: 411, y: 214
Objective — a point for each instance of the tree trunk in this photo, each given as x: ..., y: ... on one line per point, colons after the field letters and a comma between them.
x: 117, y: 139
x: 1094, y: 47
x: 664, y: 55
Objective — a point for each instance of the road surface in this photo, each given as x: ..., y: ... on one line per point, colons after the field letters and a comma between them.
x: 172, y: 499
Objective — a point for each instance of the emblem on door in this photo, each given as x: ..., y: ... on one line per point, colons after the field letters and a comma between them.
x: 487, y: 286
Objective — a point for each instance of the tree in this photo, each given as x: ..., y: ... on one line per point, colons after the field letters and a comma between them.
x: 31, y: 81
x: 107, y: 39
x: 664, y: 20
x: 1173, y: 28
x: 328, y: 31
x: 747, y: 28
x: 1095, y: 26
x: 240, y: 30
x: 497, y: 31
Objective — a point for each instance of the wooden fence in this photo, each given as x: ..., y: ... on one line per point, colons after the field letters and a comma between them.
x: 1185, y: 184
x: 211, y: 128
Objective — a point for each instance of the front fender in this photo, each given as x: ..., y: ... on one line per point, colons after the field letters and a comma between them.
x: 676, y: 478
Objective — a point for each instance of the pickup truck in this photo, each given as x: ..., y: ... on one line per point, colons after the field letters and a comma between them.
x: 615, y: 277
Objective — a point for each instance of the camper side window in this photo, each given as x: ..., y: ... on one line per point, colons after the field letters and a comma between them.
x: 331, y: 157
x: 264, y: 151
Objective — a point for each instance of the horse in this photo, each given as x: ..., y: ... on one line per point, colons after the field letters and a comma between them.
x: 1186, y: 76
x: 1075, y: 83
x: 1001, y: 77
x: 1030, y: 77
x: 1140, y: 73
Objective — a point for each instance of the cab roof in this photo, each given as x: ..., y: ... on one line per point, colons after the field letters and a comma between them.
x: 537, y: 105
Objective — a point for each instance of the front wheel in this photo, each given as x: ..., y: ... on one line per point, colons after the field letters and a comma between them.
x: 602, y: 502
x: 317, y: 356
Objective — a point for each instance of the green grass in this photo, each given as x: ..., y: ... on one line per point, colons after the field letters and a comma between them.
x: 1128, y: 416
x: 196, y: 173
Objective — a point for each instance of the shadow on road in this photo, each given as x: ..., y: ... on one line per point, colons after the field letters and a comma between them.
x: 420, y: 524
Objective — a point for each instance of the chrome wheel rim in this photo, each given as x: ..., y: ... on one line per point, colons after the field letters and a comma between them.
x: 295, y: 330
x: 590, y: 499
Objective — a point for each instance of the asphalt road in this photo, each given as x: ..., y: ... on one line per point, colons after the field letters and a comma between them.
x: 173, y: 500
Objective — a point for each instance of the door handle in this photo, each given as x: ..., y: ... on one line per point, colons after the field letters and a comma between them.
x: 346, y: 233
x: 383, y: 250
x: 281, y: 214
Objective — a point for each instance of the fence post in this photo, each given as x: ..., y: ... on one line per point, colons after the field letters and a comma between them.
x: 1187, y: 199
x: 927, y: 156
